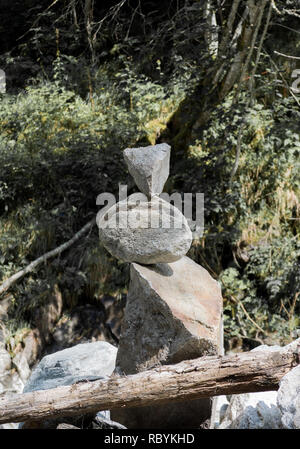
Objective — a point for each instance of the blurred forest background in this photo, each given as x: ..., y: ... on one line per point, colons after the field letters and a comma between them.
x: 85, y: 79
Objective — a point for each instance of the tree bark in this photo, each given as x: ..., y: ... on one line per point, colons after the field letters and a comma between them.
x: 193, y: 379
x: 238, y: 30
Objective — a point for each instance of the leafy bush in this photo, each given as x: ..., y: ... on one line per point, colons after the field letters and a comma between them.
x: 251, y: 239
x: 58, y: 151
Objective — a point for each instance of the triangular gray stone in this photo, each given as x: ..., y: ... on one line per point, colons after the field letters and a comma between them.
x: 149, y: 166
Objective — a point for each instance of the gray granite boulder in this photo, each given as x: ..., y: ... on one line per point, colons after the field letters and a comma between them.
x: 87, y: 361
x: 149, y: 166
x: 146, y: 232
x: 84, y: 361
x: 173, y: 313
x: 288, y: 399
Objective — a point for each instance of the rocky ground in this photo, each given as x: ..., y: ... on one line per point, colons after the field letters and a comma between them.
x: 56, y: 330
x: 83, y: 345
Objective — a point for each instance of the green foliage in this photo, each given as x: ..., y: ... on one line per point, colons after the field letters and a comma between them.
x: 58, y: 151
x: 251, y: 238
x: 73, y: 104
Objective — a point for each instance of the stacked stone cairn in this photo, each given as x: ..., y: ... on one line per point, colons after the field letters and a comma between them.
x: 174, y: 307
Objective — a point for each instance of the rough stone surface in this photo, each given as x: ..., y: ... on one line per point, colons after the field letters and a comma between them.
x: 294, y: 347
x: 129, y: 233
x: 221, y: 404
x: 84, y: 361
x: 13, y: 374
x: 288, y: 399
x: 251, y: 411
x: 173, y: 313
x: 87, y: 361
x: 149, y: 166
x: 265, y: 410
x: 273, y: 348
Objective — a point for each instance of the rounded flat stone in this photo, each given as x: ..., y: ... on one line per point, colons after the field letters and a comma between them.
x: 145, y: 232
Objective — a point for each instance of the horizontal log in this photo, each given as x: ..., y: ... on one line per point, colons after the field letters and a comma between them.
x: 193, y: 379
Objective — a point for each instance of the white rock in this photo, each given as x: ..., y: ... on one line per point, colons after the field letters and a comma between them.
x: 149, y: 166
x: 257, y: 410
x: 252, y: 411
x: 10, y: 425
x: 5, y: 361
x: 288, y: 399
x: 220, y: 406
x: 10, y: 380
x: 20, y: 362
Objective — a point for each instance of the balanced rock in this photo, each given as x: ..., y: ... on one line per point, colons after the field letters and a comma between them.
x: 149, y: 166
x: 173, y: 313
x: 145, y: 232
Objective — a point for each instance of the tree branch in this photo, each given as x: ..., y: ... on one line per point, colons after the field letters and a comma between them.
x: 286, y: 56
x: 256, y: 15
x: 13, y: 279
x: 260, y: 47
x: 193, y: 379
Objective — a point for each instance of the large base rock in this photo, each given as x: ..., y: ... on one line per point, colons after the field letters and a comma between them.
x: 194, y: 414
x: 173, y: 313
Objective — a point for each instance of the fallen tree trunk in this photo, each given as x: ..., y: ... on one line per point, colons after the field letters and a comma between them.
x: 192, y: 379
